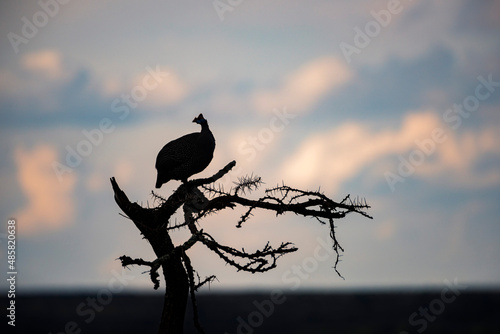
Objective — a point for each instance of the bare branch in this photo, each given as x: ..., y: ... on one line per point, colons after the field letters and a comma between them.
x: 208, y: 280
x: 192, y: 289
x: 155, y: 265
x: 153, y: 272
x: 213, y: 178
x: 247, y: 183
x: 259, y: 261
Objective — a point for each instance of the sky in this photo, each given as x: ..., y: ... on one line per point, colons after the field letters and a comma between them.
x: 396, y: 102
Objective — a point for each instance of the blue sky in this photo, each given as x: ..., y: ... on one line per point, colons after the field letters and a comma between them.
x: 403, y: 111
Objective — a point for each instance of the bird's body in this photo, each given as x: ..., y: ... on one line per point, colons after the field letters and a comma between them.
x: 185, y: 156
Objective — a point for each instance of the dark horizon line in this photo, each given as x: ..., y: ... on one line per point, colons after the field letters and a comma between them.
x: 404, y: 289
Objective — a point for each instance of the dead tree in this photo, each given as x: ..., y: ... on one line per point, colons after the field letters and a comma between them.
x: 201, y: 197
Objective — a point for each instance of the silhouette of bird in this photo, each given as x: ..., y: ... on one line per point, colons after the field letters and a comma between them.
x: 186, y: 156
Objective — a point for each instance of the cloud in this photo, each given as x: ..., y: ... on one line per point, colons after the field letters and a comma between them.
x: 43, y: 85
x: 33, y: 82
x: 46, y: 85
x: 50, y: 203
x: 306, y: 86
x: 155, y: 87
x: 171, y: 89
x: 124, y: 171
x: 45, y: 62
x: 338, y: 155
x: 457, y: 159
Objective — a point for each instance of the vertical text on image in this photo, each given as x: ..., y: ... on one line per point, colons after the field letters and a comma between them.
x: 11, y: 272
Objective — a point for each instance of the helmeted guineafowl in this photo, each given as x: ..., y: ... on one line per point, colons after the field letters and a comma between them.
x: 185, y: 156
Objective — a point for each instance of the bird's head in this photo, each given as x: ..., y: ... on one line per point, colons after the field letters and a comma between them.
x: 200, y: 119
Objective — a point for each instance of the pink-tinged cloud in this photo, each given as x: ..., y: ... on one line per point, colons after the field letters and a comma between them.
x: 50, y: 204
x: 43, y: 75
x: 333, y: 157
x: 156, y: 87
x: 166, y: 90
x: 46, y: 62
x: 458, y: 156
x: 306, y: 86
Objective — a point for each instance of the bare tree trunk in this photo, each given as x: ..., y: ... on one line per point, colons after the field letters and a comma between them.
x: 176, y: 294
x: 176, y: 281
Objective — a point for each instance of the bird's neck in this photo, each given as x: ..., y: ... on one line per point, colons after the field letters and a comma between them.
x: 204, y: 126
